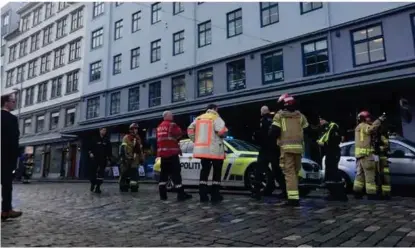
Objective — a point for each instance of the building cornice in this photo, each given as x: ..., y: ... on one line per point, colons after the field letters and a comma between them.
x: 26, y: 7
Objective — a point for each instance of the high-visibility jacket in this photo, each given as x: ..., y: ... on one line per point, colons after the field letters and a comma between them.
x: 291, y: 125
x: 168, y: 135
x: 207, y: 132
x: 363, y: 138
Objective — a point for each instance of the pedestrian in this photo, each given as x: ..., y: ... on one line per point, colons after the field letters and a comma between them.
x: 269, y: 153
x: 100, y: 154
x: 207, y: 132
x: 382, y: 150
x: 9, y: 154
x: 364, y: 152
x: 329, y: 142
x: 131, y: 153
x: 287, y: 126
x: 168, y: 149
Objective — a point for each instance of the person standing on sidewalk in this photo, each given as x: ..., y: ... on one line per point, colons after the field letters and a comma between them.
x: 168, y: 149
x: 9, y: 154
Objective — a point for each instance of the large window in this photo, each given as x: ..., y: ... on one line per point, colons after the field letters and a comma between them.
x: 236, y: 75
x: 61, y: 28
x: 205, y: 82
x: 98, y: 9
x: 70, y: 117
x: 25, y: 23
x: 413, y: 25
x: 12, y: 53
x: 48, y: 10
x: 92, y: 107
x: 178, y: 7
x: 30, y: 95
x: 74, y: 50
x: 31, y: 72
x: 315, y: 57
x: 54, y: 120
x: 135, y: 58
x: 178, y: 85
x: 135, y: 21
x: 269, y: 13
x: 118, y: 29
x: 234, y: 19
x: 134, y: 98
x: 77, y: 19
x: 154, y: 98
x: 10, y: 78
x: 47, y: 35
x: 45, y: 63
x: 178, y: 43
x: 62, y: 5
x: 40, y: 123
x: 35, y: 42
x: 116, y: 69
x: 72, y: 82
x: 310, y: 6
x: 97, y: 38
x: 155, y: 12
x: 205, y: 34
x: 42, y: 92
x: 56, y: 87
x: 155, y: 51
x: 20, y: 73
x: 95, y: 70
x: 23, y: 47
x: 59, y: 59
x: 368, y: 45
x: 36, y: 16
x: 115, y: 103
x: 272, y: 67
x: 27, y: 126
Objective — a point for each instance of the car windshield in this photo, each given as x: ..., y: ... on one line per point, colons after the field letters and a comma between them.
x: 406, y: 141
x: 242, y: 146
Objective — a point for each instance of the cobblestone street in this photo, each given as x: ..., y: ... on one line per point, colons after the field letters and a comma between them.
x: 59, y: 214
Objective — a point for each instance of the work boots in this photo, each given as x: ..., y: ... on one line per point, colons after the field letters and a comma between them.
x: 92, y: 188
x: 163, y: 192
x: 203, y: 192
x: 98, y: 189
x: 182, y: 196
x: 216, y: 196
x: 10, y: 214
x: 292, y: 203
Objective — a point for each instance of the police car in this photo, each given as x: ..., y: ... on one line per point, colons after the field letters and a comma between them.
x: 239, y: 168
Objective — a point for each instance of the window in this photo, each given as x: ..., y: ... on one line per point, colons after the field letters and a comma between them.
x: 135, y: 56
x: 97, y: 38
x: 178, y: 43
x: 31, y: 72
x: 20, y: 73
x: 48, y: 10
x: 234, y: 23
x: 118, y: 4
x: 236, y: 75
x: 45, y: 63
x: 60, y: 28
x: 118, y: 30
x: 315, y: 57
x: 135, y: 25
x: 23, y: 47
x: 59, y: 57
x: 9, y: 79
x: 62, y: 5
x: 36, y: 16
x: 98, y: 9
x: 92, y: 108
x: 154, y: 98
x: 56, y: 87
x: 42, y: 92
x: 54, y: 120
x: 115, y: 103
x: 74, y: 50
x: 12, y: 53
x: 399, y: 151
x: 77, y: 19
x: 310, y: 6
x: 205, y: 82
x: 95, y: 70
x: 134, y: 99
x: 5, y: 19
x: 116, y: 69
x: 272, y: 67
x: 269, y: 13
x: 34, y: 42
x: 413, y: 25
x: 30, y: 94
x: 155, y: 13
x: 205, y: 33
x: 70, y: 117
x: 27, y: 126
x: 40, y: 123
x: 47, y: 35
x: 178, y: 7
x: 368, y: 45
x: 178, y: 85
x: 155, y: 51
x: 25, y: 23
x: 72, y: 80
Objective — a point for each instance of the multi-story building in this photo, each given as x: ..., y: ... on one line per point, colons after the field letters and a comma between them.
x: 336, y: 57
x: 43, y: 66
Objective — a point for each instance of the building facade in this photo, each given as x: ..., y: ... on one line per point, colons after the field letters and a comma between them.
x: 43, y: 67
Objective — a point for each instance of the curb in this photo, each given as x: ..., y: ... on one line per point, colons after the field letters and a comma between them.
x: 80, y: 181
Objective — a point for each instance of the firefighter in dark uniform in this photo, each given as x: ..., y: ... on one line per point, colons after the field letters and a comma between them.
x: 381, y: 146
x: 269, y: 153
x: 329, y: 142
x: 100, y: 154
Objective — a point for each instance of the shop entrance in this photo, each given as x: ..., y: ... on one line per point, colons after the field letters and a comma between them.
x: 46, y: 164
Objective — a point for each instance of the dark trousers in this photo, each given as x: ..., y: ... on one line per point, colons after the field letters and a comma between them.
x: 264, y: 159
x: 6, y: 186
x: 170, y: 166
x: 129, y: 174
x: 207, y: 164
x: 332, y: 175
x: 97, y: 171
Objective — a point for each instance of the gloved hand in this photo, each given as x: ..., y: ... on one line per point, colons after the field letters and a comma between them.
x: 382, y: 117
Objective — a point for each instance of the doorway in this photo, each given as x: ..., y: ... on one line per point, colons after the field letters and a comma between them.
x: 46, y: 164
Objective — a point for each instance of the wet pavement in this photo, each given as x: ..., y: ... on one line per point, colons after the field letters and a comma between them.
x: 65, y: 214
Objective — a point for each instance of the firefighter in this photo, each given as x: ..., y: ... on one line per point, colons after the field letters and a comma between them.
x: 207, y: 132
x: 168, y: 149
x: 287, y: 126
x: 382, y: 150
x: 269, y: 153
x: 329, y: 142
x: 131, y: 156
x: 28, y: 168
x: 100, y: 153
x: 364, y: 152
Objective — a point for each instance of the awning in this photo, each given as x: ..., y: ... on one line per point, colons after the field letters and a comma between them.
x: 46, y: 139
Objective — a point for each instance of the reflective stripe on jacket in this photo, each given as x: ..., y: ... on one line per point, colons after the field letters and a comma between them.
x: 207, y: 132
x: 168, y: 135
x: 325, y: 137
x: 291, y: 125
x: 363, y: 138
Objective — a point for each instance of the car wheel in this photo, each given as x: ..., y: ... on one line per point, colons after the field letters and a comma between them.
x: 268, y: 184
x: 346, y: 181
x: 170, y: 185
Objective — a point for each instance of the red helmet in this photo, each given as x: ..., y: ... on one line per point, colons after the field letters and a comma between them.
x: 286, y: 99
x: 133, y: 125
x: 363, y: 115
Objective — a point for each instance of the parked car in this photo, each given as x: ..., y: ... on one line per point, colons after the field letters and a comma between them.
x: 239, y: 168
x: 401, y: 162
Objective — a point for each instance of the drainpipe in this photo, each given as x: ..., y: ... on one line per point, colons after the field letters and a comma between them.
x: 109, y: 67
x: 331, y: 55
x: 195, y: 47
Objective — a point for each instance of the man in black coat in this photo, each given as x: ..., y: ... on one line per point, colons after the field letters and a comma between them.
x: 9, y: 153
